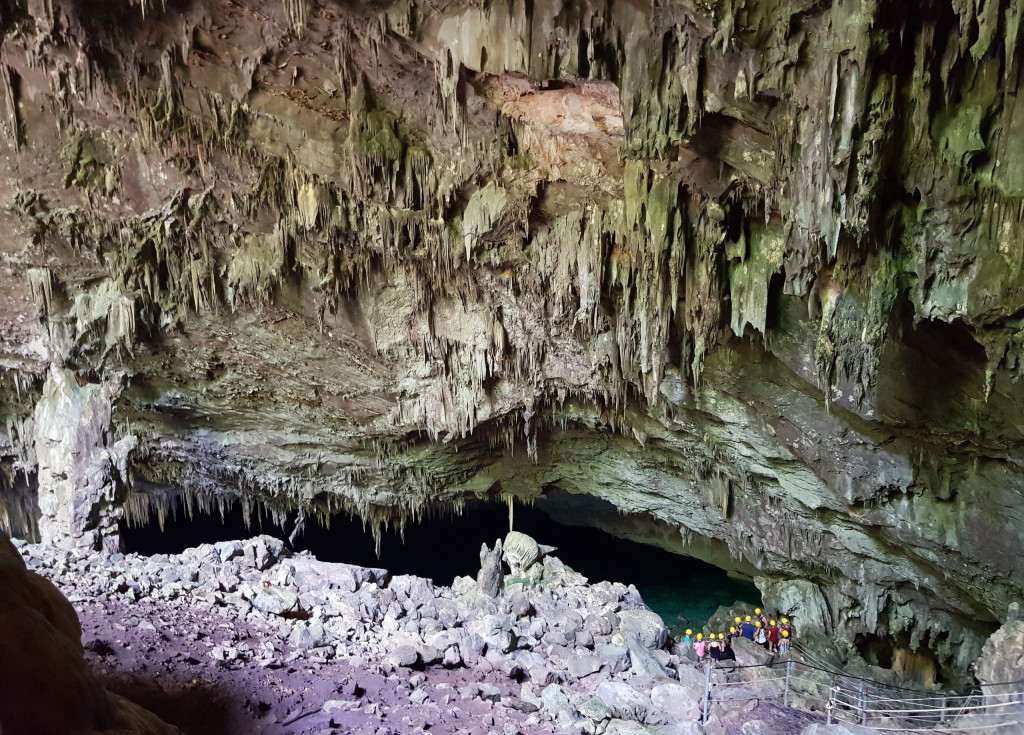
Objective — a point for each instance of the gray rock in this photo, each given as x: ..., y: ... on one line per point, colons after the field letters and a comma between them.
x: 430, y: 655
x: 489, y: 692
x: 275, y: 601
x: 311, y: 636
x: 646, y: 624
x: 593, y: 708
x: 642, y: 661
x: 452, y: 657
x: 266, y: 550
x: 227, y: 550
x: 403, y: 656
x: 555, y: 699
x: 691, y: 677
x: 615, y: 657
x: 519, y: 605
x: 543, y: 676
x: 598, y: 624
x: 678, y: 702
x: 490, y: 578
x: 626, y: 703
x: 582, y: 666
x: 1002, y: 657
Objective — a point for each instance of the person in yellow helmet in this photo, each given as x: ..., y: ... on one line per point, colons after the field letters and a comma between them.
x: 747, y: 629
x: 773, y: 637
x: 738, y: 620
x: 727, y: 652
x: 688, y: 638
x: 714, y: 647
x: 784, y: 643
x: 761, y: 636
x: 700, y: 647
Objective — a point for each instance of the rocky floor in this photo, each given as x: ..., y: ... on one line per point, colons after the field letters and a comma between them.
x: 239, y: 637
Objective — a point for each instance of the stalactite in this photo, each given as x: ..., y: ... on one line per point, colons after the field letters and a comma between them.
x: 7, y: 93
x: 295, y: 10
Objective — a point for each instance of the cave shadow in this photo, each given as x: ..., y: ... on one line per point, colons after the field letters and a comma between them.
x: 194, y: 706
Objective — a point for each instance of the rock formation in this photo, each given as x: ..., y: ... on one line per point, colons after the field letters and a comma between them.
x: 45, y: 685
x: 743, y: 277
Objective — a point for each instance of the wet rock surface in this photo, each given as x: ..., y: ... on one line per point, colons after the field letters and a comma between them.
x: 182, y: 635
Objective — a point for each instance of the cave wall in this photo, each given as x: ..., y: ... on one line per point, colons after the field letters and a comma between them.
x: 748, y: 269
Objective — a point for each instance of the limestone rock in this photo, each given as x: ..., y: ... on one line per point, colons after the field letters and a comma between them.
x: 627, y: 703
x: 275, y: 601
x: 45, y: 685
x: 491, y: 578
x: 1002, y: 658
x: 646, y: 625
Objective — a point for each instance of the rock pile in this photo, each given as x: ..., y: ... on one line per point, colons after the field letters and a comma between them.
x: 557, y: 655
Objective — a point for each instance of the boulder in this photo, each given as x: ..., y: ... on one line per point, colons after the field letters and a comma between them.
x: 678, y: 702
x: 616, y: 658
x: 1002, y: 656
x: 642, y: 661
x: 645, y: 624
x: 46, y: 687
x: 798, y: 599
x: 580, y: 667
x: 626, y: 703
x: 403, y: 656
x: 490, y: 578
x: 275, y: 601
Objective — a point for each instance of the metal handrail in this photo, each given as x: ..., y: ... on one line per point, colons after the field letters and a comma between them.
x: 864, y: 699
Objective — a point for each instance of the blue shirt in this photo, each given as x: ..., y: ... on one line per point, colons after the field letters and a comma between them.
x: 747, y: 631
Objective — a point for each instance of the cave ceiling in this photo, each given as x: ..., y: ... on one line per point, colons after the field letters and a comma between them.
x: 749, y: 270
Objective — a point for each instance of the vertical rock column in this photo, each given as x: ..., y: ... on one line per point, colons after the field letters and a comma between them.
x: 80, y: 471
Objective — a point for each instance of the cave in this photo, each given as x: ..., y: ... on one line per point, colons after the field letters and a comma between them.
x: 685, y: 591
x: 916, y: 666
x: 722, y: 300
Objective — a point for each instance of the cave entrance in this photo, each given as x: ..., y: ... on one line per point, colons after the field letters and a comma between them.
x: 685, y: 591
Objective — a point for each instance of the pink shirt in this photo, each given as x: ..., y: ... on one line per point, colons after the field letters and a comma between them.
x: 699, y: 648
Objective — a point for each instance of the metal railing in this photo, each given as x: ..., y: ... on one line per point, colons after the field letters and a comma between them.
x: 815, y: 686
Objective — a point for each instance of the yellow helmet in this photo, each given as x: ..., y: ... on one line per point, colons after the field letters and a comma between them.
x: 737, y: 618
x: 757, y: 623
x: 732, y: 629
x: 785, y: 633
x: 748, y: 618
x: 700, y: 636
x: 785, y: 620
x: 771, y: 622
x: 721, y: 636
x: 689, y: 632
x: 757, y: 611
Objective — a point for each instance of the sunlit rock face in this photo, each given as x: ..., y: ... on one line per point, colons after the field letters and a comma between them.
x: 748, y: 271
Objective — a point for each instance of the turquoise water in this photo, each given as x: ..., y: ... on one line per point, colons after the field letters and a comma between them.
x: 690, y: 605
